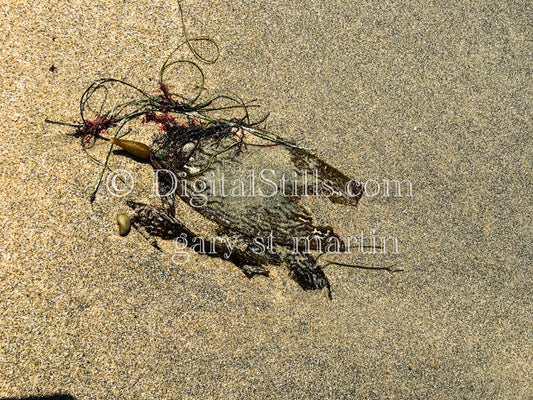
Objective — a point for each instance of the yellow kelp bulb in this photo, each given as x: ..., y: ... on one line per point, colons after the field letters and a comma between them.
x: 136, y: 148
x: 124, y: 224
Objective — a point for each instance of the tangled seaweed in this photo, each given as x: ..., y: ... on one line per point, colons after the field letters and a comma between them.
x: 163, y: 107
x: 201, y: 123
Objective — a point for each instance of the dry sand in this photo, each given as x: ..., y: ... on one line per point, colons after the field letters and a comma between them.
x: 436, y: 93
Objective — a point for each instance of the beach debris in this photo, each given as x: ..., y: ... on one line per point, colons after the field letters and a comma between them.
x: 124, y: 224
x: 137, y: 149
x: 259, y: 214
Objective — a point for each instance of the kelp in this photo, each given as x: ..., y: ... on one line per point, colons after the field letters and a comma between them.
x: 203, y: 148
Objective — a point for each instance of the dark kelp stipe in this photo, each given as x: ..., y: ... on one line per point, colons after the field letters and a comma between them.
x: 198, y: 142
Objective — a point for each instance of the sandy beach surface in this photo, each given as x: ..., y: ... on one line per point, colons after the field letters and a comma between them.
x: 435, y: 93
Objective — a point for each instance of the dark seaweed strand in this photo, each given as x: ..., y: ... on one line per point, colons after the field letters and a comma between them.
x: 177, y: 135
x: 200, y: 38
x: 389, y: 268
